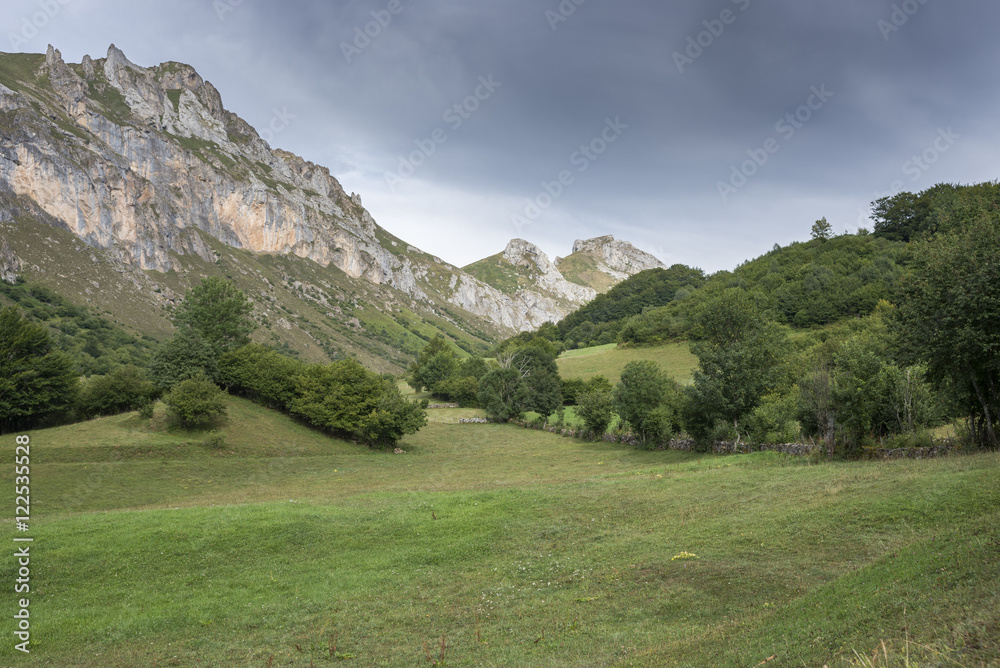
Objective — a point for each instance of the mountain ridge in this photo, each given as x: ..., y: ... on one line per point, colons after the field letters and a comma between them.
x: 144, y: 162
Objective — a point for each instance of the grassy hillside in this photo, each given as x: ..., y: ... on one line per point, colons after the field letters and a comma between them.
x: 319, y: 312
x: 609, y: 360
x: 518, y: 548
x: 498, y: 272
x: 582, y: 269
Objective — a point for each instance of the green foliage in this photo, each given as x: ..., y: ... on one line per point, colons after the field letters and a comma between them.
x: 184, y: 356
x: 821, y: 230
x: 219, y: 312
x: 949, y: 318
x: 572, y: 388
x: 907, y: 216
x: 596, y: 407
x: 540, y: 377
x: 739, y: 359
x: 346, y: 399
x: 37, y: 382
x: 96, y: 345
x: 805, y: 285
x: 195, y: 402
x: 855, y: 391
x: 774, y: 420
x: 261, y: 374
x: 125, y: 389
x: 502, y: 394
x: 600, y: 321
x: 425, y: 373
x: 647, y: 400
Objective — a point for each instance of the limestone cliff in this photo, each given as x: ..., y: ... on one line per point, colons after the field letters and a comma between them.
x: 141, y: 161
x: 148, y: 164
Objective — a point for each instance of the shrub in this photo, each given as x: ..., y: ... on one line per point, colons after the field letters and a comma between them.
x: 596, y: 409
x: 127, y: 388
x: 185, y: 355
x: 195, y: 402
x: 647, y: 400
x: 261, y: 374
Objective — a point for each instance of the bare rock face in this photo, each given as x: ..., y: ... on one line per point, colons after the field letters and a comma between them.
x: 147, y: 162
x: 10, y: 265
x: 520, y: 253
x: 619, y: 259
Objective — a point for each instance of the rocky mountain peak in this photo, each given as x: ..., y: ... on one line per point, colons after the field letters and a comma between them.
x: 617, y: 258
x: 521, y: 253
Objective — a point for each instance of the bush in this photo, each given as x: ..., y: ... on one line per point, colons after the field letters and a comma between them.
x: 185, y: 355
x: 647, y: 400
x: 125, y: 389
x: 195, y: 402
x: 261, y: 374
x: 596, y: 409
x: 347, y: 399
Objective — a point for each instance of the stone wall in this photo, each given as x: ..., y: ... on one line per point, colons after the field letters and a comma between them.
x: 727, y: 448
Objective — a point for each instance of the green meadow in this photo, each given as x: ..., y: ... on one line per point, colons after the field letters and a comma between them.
x: 609, y: 360
x: 265, y: 543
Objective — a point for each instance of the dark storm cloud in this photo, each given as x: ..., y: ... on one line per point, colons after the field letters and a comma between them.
x: 893, y: 75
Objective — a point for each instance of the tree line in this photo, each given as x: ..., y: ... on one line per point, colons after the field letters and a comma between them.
x: 42, y: 384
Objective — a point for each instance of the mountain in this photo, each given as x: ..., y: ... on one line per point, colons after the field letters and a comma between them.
x: 555, y: 289
x: 603, y: 262
x: 142, y: 181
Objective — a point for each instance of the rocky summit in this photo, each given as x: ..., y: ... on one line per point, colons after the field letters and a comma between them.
x: 147, y: 166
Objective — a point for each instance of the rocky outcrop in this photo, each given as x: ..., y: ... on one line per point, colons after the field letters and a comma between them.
x: 10, y: 265
x: 619, y: 259
x: 148, y: 163
x: 520, y: 253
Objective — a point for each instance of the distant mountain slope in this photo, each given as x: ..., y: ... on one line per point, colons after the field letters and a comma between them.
x: 525, y: 272
x: 153, y: 183
x: 603, y: 262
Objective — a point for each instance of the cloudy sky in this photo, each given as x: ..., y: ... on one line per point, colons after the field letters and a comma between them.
x: 702, y: 131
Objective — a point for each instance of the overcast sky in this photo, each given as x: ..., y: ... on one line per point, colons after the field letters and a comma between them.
x: 702, y: 132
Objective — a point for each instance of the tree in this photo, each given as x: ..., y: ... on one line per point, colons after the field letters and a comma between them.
x: 219, y: 312
x: 184, y: 356
x: 392, y: 418
x: 646, y: 399
x: 821, y: 229
x: 36, y: 380
x: 261, y: 374
x: 502, y: 394
x: 347, y: 399
x: 949, y: 317
x: 195, y: 402
x: 596, y: 408
x: 542, y: 386
x: 125, y: 389
x: 739, y: 358
x: 435, y: 363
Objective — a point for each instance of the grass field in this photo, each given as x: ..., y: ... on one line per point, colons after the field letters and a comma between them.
x: 280, y: 547
x: 609, y: 360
